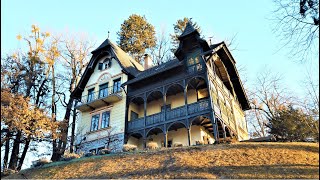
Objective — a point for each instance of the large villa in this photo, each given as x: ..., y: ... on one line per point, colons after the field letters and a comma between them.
x: 195, y: 98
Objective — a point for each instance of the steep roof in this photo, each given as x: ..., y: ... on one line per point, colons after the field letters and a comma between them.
x: 127, y: 63
x: 229, y: 62
x: 188, y: 30
x: 155, y: 70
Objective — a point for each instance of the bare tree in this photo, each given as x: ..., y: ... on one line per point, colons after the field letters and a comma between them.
x: 75, y: 52
x: 266, y: 99
x: 297, y: 23
x: 311, y: 84
x: 161, y: 52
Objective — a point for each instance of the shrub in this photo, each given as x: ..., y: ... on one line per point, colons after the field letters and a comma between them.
x: 8, y: 172
x: 177, y: 144
x: 41, y: 162
x: 68, y: 156
x: 104, y: 151
x: 199, y: 142
x: 129, y: 148
x: 152, y: 145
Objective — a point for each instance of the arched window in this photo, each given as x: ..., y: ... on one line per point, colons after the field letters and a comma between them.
x: 105, y: 63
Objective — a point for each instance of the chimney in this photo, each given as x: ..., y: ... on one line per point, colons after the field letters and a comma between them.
x: 147, y: 61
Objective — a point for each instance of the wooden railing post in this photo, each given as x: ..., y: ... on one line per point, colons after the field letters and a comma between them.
x: 145, y: 110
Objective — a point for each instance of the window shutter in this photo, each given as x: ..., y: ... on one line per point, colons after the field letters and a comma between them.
x: 100, y: 66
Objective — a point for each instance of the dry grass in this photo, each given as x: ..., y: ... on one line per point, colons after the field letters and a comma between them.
x: 239, y: 160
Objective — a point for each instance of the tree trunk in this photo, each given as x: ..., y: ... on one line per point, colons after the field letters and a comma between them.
x: 15, y: 152
x: 62, y: 143
x: 53, y: 113
x: 73, y: 127
x: 25, y: 149
x: 6, y: 151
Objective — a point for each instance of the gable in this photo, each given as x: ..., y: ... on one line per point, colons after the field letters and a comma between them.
x: 127, y: 64
x: 101, y: 75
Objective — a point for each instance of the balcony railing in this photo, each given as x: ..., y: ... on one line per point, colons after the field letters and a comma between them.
x: 176, y: 113
x: 198, y: 106
x: 136, y: 124
x: 155, y: 118
x: 105, y: 95
x: 171, y: 115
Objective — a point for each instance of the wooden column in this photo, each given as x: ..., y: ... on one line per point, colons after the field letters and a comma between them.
x: 215, y: 132
x: 224, y: 131
x: 145, y: 110
x: 185, y: 96
x: 164, y: 104
x: 189, y: 136
x: 165, y: 140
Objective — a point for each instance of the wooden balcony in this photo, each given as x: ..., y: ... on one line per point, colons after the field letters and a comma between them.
x: 191, y: 110
x: 99, y: 99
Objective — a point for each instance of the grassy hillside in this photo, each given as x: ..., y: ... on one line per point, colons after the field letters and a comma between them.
x: 239, y: 160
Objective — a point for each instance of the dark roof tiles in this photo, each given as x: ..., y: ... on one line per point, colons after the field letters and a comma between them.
x: 155, y: 70
x: 188, y: 30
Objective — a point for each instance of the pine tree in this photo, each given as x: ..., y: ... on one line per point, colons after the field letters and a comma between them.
x: 293, y: 125
x: 136, y: 36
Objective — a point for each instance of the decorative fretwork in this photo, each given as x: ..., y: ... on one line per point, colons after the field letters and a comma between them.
x: 136, y: 124
x: 171, y: 115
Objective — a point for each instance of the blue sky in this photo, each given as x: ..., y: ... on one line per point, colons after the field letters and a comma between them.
x: 257, y: 45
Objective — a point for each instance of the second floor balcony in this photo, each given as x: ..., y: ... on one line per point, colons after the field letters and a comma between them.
x: 97, y: 99
x: 193, y: 109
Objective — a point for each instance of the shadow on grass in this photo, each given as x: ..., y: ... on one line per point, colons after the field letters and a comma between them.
x: 274, y: 171
x: 290, y: 146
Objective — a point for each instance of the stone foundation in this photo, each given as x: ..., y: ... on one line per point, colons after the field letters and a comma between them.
x: 102, y: 142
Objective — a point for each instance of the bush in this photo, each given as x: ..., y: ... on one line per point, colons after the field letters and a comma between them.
x: 177, y: 144
x: 68, y: 156
x: 104, y: 151
x: 41, y: 162
x: 8, y: 172
x: 152, y: 145
x: 199, y: 142
x: 129, y: 148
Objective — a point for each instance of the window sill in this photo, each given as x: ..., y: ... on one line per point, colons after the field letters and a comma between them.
x: 99, y: 130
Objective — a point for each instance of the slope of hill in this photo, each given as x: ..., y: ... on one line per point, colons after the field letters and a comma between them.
x: 239, y: 160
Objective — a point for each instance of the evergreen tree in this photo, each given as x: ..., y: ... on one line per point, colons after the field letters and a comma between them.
x: 293, y: 125
x: 136, y: 36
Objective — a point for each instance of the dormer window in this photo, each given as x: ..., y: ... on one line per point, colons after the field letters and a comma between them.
x: 105, y: 63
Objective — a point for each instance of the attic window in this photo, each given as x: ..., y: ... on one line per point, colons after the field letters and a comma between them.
x: 105, y: 64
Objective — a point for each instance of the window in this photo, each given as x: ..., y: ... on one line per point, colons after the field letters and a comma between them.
x: 105, y: 119
x: 202, y: 94
x: 90, y: 95
x: 105, y: 64
x: 93, y: 151
x: 193, y: 62
x: 99, y: 149
x: 116, y: 85
x: 133, y: 115
x: 103, y: 90
x: 95, y: 122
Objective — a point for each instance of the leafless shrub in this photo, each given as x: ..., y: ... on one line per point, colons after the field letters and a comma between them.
x: 129, y: 148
